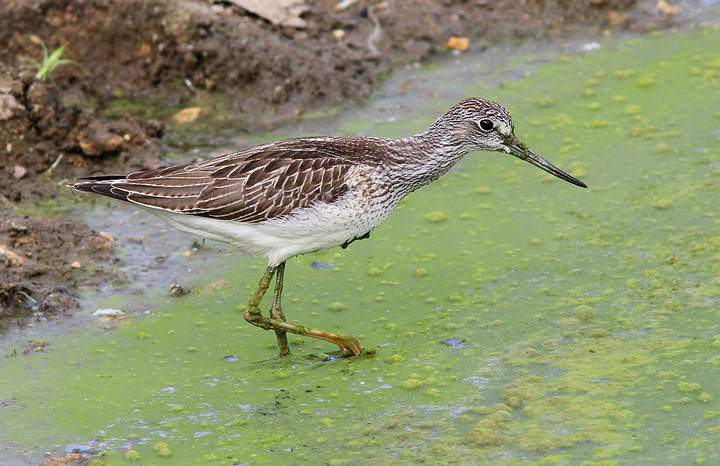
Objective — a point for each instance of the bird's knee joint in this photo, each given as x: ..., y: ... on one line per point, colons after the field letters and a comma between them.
x: 252, y: 315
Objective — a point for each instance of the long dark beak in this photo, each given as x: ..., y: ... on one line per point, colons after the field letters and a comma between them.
x: 518, y: 149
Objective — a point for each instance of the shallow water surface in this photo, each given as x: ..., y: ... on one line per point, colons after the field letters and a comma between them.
x: 514, y: 318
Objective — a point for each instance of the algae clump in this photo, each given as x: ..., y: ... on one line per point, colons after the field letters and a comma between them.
x: 663, y: 204
x: 435, y: 217
x: 661, y: 148
x: 162, y: 449
x: 411, y: 384
x: 632, y: 109
x: 545, y: 101
x: 419, y: 273
x: 584, y: 312
x: 645, y: 81
x: 336, y: 306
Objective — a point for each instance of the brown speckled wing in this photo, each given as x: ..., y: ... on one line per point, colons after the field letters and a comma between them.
x: 253, y: 185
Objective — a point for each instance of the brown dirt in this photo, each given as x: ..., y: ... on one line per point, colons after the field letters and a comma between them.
x: 43, y: 259
x: 139, y: 46
x: 41, y: 136
x: 181, y: 51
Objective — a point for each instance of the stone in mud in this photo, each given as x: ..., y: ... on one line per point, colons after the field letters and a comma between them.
x: 188, y: 115
x: 458, y: 43
x: 48, y: 116
x: 457, y: 343
x: 96, y: 140
x: 19, y: 171
x: 278, y: 12
x: 179, y: 290
x: 9, y: 107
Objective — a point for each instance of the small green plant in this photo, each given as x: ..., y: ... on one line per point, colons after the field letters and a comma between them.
x: 49, y: 61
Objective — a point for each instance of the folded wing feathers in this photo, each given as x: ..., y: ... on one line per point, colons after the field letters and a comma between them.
x: 183, y: 205
x: 248, y: 186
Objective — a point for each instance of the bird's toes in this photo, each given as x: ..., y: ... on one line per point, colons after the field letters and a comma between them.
x: 353, y: 348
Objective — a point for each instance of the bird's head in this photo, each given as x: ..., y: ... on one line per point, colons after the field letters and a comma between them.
x: 479, y: 124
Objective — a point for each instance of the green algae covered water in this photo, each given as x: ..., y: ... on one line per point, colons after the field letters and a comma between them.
x: 514, y: 318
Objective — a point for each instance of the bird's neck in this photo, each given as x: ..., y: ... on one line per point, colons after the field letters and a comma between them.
x: 433, y: 153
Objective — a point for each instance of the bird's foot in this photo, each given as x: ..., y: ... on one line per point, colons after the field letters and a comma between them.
x: 349, y: 346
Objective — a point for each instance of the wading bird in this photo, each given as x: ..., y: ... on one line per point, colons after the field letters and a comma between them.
x: 302, y: 195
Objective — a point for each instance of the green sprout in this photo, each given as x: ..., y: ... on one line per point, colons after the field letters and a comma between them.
x: 49, y: 61
x: 30, y: 298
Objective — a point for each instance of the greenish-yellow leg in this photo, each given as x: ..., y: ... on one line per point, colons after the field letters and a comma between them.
x: 348, y: 344
x: 276, y: 312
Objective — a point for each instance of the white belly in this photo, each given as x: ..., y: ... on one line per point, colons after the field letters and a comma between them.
x: 320, y: 226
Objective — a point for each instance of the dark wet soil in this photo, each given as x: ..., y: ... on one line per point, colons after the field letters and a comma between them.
x: 43, y: 259
x: 181, y: 52
x: 41, y: 137
x: 138, y: 47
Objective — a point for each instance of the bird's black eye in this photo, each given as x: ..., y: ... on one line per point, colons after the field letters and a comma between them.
x: 486, y: 124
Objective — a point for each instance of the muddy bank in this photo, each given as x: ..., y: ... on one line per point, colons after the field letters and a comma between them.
x: 333, y: 53
x: 181, y: 53
x: 43, y: 259
x: 42, y: 137
x: 44, y: 141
